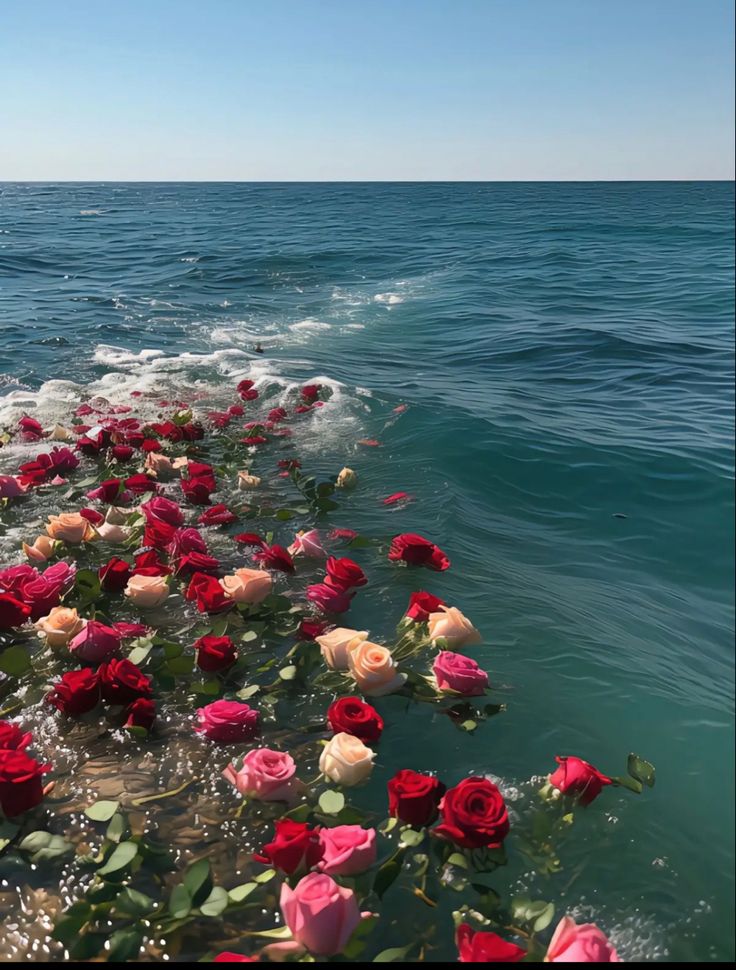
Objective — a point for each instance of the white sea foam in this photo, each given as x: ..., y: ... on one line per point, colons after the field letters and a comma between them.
x: 310, y: 325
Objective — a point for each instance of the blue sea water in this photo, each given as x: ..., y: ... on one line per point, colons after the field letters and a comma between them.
x: 566, y: 354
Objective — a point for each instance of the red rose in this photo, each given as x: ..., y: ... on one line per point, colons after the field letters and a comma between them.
x: 107, y: 491
x: 161, y: 509
x: 149, y: 563
x: 275, y: 557
x: 12, y: 738
x: 150, y: 444
x: 414, y: 798
x: 138, y: 484
x: 141, y: 713
x: 215, y: 653
x: 474, y: 815
x: 21, y: 787
x: 310, y: 392
x: 92, y: 516
x: 353, y: 716
x: 474, y: 947
x: 30, y: 428
x: 217, y: 515
x: 197, y: 490
x: 311, y: 628
x: 197, y: 562
x: 254, y: 439
x: 328, y: 598
x: 245, y: 385
x: 122, y: 452
x: 121, y: 682
x: 12, y: 612
x: 277, y: 414
x: 421, y: 604
x: 192, y: 431
x: 249, y: 539
x: 577, y: 778
x: 76, y: 693
x: 186, y: 540
x: 236, y: 410
x: 114, y: 575
x: 417, y: 551
x: 207, y: 593
x: 130, y: 630
x: 227, y: 957
x: 344, y: 573
x: 295, y: 846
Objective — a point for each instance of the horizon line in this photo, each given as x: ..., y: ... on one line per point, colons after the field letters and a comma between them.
x: 346, y: 181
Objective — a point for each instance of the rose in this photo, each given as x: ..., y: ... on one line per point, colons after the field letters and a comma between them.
x: 295, y: 847
x: 39, y: 591
x: 336, y: 645
x: 308, y: 544
x: 320, y: 914
x: 149, y: 563
x: 328, y: 599
x: 347, y: 850
x: 61, y: 624
x: 94, y: 517
x: 217, y: 515
x: 41, y: 550
x: 310, y: 628
x: 21, y: 787
x: 350, y: 715
x: 474, y: 947
x: 459, y: 675
x: 227, y: 957
x: 159, y: 534
x: 208, y: 594
x: 129, y: 631
x: 197, y: 490
x: 577, y: 778
x: 414, y: 798
x: 245, y: 390
x: 12, y: 738
x: 141, y: 714
x: 374, y: 669
x: 114, y: 575
x: 473, y: 815
x: 76, y: 693
x: 275, y: 557
x: 70, y: 527
x: 215, y: 653
x: 140, y: 484
x: 266, y: 775
x: 346, y: 478
x: 10, y: 487
x: 95, y: 642
x: 585, y: 943
x: 121, y: 682
x: 147, y: 591
x: 163, y: 510
x: 247, y: 585
x: 417, y: 551
x: 246, y: 481
x: 453, y: 626
x: 197, y: 562
x: 159, y: 466
x: 185, y: 541
x: 421, y: 604
x: 121, y: 452
x: 227, y: 722
x: 12, y: 612
x: 112, y: 532
x: 346, y: 760
x: 107, y: 491
x: 344, y: 573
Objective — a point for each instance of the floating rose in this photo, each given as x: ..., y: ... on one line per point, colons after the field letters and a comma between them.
x: 295, y: 848
x: 266, y: 775
x: 60, y: 625
x: 414, y: 798
x: 21, y: 787
x: 474, y: 947
x: 584, y: 943
x: 320, y: 914
x: 473, y: 815
x: 577, y: 778
x: 346, y: 760
x: 336, y: 645
x: 227, y: 722
x: 347, y: 850
x: 374, y: 669
x: 453, y: 626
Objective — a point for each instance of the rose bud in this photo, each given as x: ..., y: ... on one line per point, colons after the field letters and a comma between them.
x: 141, y: 714
x: 577, y: 778
x: 421, y: 604
x: 336, y: 907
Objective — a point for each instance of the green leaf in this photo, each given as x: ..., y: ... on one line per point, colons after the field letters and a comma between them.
x: 545, y: 918
x: 133, y: 903
x: 8, y: 831
x: 180, y: 665
x: 138, y: 655
x: 198, y: 881
x: 266, y: 876
x: 120, y: 859
x: 68, y: 927
x: 215, y: 903
x: 15, y: 661
x: 411, y: 837
x: 43, y: 846
x: 180, y: 902
x: 388, y: 825
x: 125, y: 945
x: 247, y: 692
x: 288, y: 673
x: 249, y: 636
x: 388, y: 873
x: 393, y: 955
x: 641, y: 770
x: 469, y: 725
x: 283, y: 515
x: 241, y: 893
x: 458, y: 859
x: 331, y: 802
x: 101, y: 811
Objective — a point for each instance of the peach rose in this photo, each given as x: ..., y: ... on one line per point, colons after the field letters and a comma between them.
x: 147, y: 591
x: 246, y: 480
x: 112, y: 529
x: 336, y: 645
x: 247, y: 585
x: 61, y: 624
x: 159, y: 466
x: 374, y: 669
x: 70, y: 527
x: 453, y: 626
x: 41, y: 550
x: 60, y: 433
x: 346, y: 479
x: 346, y: 760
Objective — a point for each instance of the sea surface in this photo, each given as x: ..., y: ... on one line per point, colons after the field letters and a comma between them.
x: 565, y: 352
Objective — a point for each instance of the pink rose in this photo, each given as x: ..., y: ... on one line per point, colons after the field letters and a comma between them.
x: 95, y: 643
x: 164, y: 510
x: 320, y: 914
x: 347, y: 850
x: 328, y: 599
x: 227, y: 721
x: 40, y: 591
x: 579, y: 944
x: 10, y: 487
x: 266, y: 775
x: 459, y: 674
x: 308, y: 544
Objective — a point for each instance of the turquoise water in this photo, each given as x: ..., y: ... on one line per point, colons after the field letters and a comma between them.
x: 566, y: 353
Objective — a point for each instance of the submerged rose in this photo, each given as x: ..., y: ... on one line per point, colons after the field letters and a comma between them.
x: 21, y: 787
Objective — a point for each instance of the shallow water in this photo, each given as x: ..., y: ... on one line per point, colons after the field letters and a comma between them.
x: 566, y: 352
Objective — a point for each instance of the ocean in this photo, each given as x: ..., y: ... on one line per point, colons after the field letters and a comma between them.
x: 565, y: 352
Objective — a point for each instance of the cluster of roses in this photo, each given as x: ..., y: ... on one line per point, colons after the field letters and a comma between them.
x: 26, y: 593
x: 21, y: 784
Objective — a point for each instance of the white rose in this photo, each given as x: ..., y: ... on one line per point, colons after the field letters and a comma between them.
x: 346, y: 760
x: 337, y: 644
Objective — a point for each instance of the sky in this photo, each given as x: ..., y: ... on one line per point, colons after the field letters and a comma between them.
x: 304, y: 90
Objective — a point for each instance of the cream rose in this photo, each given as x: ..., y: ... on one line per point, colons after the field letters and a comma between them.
x: 346, y: 760
x: 147, y: 591
x: 346, y: 479
x: 374, y: 669
x: 247, y: 585
x: 453, y: 626
x: 70, y: 527
x: 61, y: 624
x: 246, y: 480
x: 41, y: 550
x: 337, y: 644
x: 60, y: 433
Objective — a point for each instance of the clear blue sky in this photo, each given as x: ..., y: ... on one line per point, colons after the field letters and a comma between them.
x: 366, y: 89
